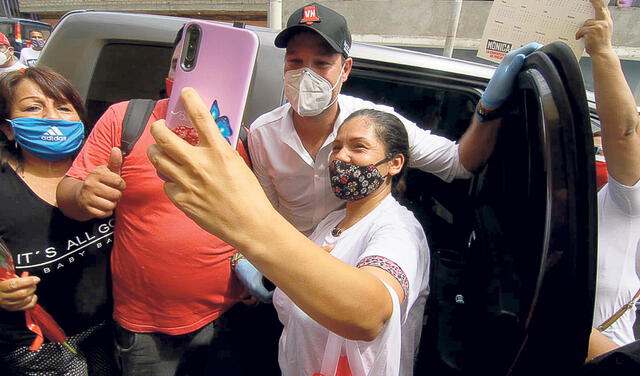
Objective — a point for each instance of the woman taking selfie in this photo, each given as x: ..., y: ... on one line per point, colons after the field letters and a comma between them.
x: 352, y: 307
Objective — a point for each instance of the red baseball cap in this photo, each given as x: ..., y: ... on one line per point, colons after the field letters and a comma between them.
x: 4, y: 40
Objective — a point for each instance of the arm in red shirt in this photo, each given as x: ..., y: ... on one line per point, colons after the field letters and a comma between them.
x: 93, y: 185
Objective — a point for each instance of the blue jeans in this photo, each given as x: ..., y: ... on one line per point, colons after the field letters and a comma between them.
x: 157, y: 354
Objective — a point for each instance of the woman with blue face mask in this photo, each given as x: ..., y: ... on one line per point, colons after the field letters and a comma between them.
x: 351, y: 297
x: 61, y: 264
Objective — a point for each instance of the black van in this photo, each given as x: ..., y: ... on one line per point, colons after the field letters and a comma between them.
x: 17, y: 30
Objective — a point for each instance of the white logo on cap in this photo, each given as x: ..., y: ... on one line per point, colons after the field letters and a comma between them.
x: 310, y: 15
x: 346, y: 47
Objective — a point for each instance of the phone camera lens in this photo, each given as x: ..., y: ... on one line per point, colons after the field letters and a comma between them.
x: 191, y: 48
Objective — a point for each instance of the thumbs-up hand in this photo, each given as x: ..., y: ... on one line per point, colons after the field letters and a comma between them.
x: 115, y: 161
x: 103, y: 187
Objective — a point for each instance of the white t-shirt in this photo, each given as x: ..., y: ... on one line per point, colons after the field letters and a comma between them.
x: 299, y: 186
x: 618, y: 257
x: 388, y: 237
x: 12, y: 68
x: 29, y: 56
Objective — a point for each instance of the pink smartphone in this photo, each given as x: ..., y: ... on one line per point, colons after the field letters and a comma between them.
x: 217, y: 60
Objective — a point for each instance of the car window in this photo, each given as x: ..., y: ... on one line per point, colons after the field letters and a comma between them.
x: 126, y: 71
x: 6, y: 29
x: 26, y: 29
x: 445, y: 109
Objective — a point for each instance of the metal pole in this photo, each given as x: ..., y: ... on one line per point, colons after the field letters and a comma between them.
x: 274, y: 17
x: 5, y: 8
x: 453, y: 28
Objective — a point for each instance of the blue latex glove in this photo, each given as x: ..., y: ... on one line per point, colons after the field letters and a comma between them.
x: 502, y: 82
x: 251, y: 278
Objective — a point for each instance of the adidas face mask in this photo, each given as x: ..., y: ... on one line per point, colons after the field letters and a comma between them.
x: 308, y: 92
x: 49, y: 139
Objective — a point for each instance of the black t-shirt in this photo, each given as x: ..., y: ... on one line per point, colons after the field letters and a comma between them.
x: 70, y: 257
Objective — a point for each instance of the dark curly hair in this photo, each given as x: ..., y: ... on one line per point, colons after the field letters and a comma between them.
x: 393, y: 134
x: 52, y: 84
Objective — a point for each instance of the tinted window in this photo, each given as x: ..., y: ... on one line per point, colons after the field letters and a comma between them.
x: 6, y: 29
x: 126, y: 71
x: 444, y: 110
x: 26, y: 28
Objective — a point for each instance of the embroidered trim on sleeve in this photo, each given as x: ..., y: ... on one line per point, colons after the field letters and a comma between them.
x: 388, y: 266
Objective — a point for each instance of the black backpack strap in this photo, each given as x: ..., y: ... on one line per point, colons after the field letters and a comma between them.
x: 135, y: 120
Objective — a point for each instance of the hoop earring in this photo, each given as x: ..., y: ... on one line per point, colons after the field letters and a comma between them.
x: 15, y: 144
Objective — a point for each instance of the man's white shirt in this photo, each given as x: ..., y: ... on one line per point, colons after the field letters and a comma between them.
x: 29, y: 56
x: 14, y: 67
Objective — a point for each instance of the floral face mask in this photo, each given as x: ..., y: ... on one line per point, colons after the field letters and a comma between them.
x: 351, y: 182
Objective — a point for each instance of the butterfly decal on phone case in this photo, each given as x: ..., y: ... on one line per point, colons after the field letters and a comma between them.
x: 222, y: 121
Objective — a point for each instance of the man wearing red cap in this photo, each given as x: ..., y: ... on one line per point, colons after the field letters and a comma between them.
x: 8, y: 62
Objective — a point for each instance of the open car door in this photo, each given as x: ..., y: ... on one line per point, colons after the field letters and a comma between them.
x: 513, y: 251
x: 529, y: 279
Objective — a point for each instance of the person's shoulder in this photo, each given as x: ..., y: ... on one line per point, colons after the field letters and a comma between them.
x: 18, y: 65
x: 118, y: 108
x: 392, y: 214
x: 617, y: 191
x: 270, y: 120
x: 15, y: 66
x: 352, y: 104
x: 160, y: 110
x: 112, y: 117
x: 625, y: 197
x: 613, y: 184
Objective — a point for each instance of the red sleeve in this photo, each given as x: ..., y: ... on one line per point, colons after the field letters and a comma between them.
x: 105, y: 135
x: 243, y: 153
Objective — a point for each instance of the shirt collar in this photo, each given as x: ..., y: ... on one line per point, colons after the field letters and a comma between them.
x: 289, y: 136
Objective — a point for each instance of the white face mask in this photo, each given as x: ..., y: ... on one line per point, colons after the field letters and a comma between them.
x: 3, y: 56
x: 308, y: 92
